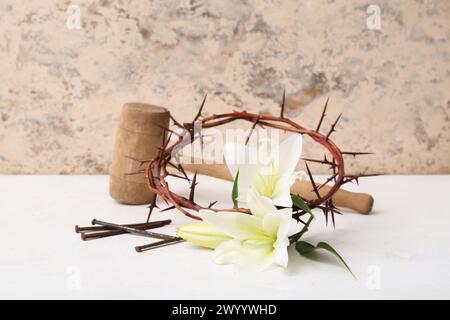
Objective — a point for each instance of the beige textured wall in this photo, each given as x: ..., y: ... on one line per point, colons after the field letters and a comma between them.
x: 61, y: 89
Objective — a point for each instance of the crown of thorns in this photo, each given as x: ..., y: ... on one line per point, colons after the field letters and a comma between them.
x: 156, y: 169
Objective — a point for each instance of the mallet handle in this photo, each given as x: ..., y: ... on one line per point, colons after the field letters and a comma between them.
x: 359, y: 202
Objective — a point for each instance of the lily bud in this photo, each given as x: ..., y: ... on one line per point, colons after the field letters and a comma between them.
x: 202, y: 234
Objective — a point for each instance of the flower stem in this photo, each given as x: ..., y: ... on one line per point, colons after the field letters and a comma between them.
x: 295, y: 237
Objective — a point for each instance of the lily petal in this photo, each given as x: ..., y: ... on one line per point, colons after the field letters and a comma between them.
x: 255, y: 256
x: 227, y: 252
x: 271, y: 223
x: 234, y: 224
x: 280, y: 254
x: 246, y: 257
x: 259, y: 205
x: 238, y: 158
x: 290, y: 153
x: 282, y: 193
x: 232, y: 153
x: 202, y: 234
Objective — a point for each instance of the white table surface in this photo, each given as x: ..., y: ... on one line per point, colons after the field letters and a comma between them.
x: 401, y: 250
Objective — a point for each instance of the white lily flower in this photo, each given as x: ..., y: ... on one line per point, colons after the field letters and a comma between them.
x: 270, y: 174
x: 202, y: 234
x: 250, y: 242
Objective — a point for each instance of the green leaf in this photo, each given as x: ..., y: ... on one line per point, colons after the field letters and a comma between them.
x: 235, y: 191
x: 326, y: 246
x: 300, y: 203
x: 305, y: 248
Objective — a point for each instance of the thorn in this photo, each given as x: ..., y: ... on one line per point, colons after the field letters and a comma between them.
x: 283, y: 101
x: 332, y: 219
x: 134, y: 173
x: 166, y: 141
x: 176, y: 176
x: 153, y: 204
x: 141, y: 162
x: 333, y: 126
x: 167, y: 209
x: 161, y: 155
x: 180, y: 167
x: 298, y: 214
x: 300, y: 220
x: 161, y: 151
x: 325, y: 161
x: 354, y: 154
x: 199, y: 113
x: 323, y: 115
x: 211, y: 204
x: 333, y: 210
x: 151, y: 207
x: 251, y: 130
x: 192, y: 134
x: 170, y: 163
x: 193, y: 185
x: 333, y: 177
x: 175, y: 122
x: 168, y: 130
x: 312, y: 181
x: 351, y: 178
x: 325, y: 212
x: 175, y: 156
x: 334, y: 169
